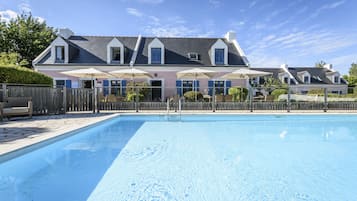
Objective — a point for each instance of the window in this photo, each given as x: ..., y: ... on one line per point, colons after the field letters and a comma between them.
x: 115, y: 54
x: 336, y: 79
x: 219, y: 87
x: 254, y: 81
x: 306, y: 79
x: 219, y: 56
x: 155, y: 55
x: 193, y: 56
x: 59, y: 54
x: 60, y: 83
x: 187, y: 85
x: 115, y: 87
x: 286, y: 80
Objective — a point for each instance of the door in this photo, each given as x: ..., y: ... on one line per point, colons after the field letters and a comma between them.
x: 156, y: 90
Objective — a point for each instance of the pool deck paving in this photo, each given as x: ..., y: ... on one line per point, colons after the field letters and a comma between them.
x: 20, y: 133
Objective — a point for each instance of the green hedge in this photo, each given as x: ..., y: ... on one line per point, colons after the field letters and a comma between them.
x: 21, y: 75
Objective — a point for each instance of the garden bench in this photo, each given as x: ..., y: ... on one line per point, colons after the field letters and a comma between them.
x: 16, y: 106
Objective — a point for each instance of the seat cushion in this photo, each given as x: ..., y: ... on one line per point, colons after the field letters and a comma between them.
x: 16, y: 110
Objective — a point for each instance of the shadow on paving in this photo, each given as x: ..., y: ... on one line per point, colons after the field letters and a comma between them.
x: 8, y: 134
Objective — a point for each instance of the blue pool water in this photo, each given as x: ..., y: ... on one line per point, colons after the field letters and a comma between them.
x: 211, y: 157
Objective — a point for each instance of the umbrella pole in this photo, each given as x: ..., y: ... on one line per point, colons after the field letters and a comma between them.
x: 94, y: 98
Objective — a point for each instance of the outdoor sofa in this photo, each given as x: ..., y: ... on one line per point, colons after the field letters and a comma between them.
x: 16, y: 106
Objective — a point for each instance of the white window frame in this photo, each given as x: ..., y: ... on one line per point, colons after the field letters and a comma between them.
x: 156, y: 43
x: 162, y: 86
x: 110, y: 85
x: 56, y: 43
x: 219, y: 44
x: 225, y: 85
x: 195, y: 58
x: 115, y: 43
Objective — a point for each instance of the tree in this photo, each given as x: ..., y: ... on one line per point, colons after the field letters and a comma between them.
x: 353, y: 70
x: 2, y: 34
x: 320, y: 64
x: 28, y: 37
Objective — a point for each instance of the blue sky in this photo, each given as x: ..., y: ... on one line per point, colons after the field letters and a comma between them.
x: 271, y: 32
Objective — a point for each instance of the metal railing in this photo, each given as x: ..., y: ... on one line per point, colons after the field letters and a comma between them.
x: 52, y: 100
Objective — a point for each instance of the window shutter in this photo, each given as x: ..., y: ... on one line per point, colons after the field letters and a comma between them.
x: 123, y: 87
x: 68, y: 83
x: 105, y: 87
x: 228, y: 85
x: 179, y: 87
x: 210, y: 87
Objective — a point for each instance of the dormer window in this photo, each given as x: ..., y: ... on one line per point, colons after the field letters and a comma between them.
x: 306, y: 79
x: 336, y: 79
x: 115, y: 54
x: 193, y: 56
x: 155, y: 55
x: 286, y: 80
x: 219, y: 56
x: 59, y: 54
x: 156, y: 52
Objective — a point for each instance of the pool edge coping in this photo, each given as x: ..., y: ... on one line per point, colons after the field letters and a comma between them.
x: 28, y: 147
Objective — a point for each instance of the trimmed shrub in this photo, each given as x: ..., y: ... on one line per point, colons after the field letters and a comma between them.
x: 21, y: 75
x: 143, y: 91
x: 191, y: 96
x: 319, y: 92
x: 277, y: 92
x: 238, y: 93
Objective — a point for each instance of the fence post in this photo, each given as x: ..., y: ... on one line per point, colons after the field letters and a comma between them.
x: 93, y: 99
x: 214, y: 98
x: 289, y: 100
x: 4, y: 91
x: 64, y: 99
x: 325, y: 100
x: 136, y: 99
x: 97, y: 97
x: 251, y: 98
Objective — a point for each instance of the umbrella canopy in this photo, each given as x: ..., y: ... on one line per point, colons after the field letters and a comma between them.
x: 131, y: 73
x: 87, y: 72
x: 196, y: 73
x: 244, y: 73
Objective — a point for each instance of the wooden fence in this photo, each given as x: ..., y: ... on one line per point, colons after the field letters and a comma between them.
x: 49, y: 100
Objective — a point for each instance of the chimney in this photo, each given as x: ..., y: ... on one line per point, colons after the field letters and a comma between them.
x: 284, y: 66
x: 328, y: 66
x: 65, y: 33
x: 231, y: 36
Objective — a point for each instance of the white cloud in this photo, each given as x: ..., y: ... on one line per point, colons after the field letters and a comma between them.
x: 293, y: 47
x: 214, y: 3
x: 175, y: 26
x: 171, y: 31
x: 326, y: 7
x: 40, y: 19
x: 24, y: 7
x: 7, y: 15
x: 344, y: 60
x: 134, y: 12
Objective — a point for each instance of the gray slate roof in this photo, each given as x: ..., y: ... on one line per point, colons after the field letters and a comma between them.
x: 92, y: 50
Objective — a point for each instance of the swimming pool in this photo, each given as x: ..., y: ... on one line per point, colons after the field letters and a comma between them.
x: 195, y: 157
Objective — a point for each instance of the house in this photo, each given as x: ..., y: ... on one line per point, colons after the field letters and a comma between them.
x: 303, y: 79
x: 162, y: 57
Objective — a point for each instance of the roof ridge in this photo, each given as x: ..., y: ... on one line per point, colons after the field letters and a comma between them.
x: 165, y: 37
